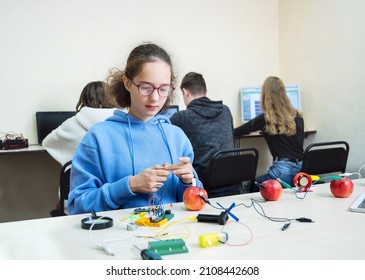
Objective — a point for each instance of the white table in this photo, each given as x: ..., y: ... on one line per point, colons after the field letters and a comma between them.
x: 30, y: 149
x: 336, y: 233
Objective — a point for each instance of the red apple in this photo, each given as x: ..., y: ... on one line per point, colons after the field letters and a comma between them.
x: 271, y: 190
x: 192, y: 198
x: 342, y: 187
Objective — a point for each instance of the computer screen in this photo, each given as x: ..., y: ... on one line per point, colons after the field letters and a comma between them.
x: 48, y: 121
x: 250, y: 100
x: 172, y: 109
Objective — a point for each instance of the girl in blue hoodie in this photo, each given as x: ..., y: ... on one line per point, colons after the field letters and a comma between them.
x: 121, y: 162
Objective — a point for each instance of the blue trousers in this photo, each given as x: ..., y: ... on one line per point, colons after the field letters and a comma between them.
x: 283, y: 170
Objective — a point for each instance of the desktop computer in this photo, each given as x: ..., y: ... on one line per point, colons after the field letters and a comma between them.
x: 250, y: 100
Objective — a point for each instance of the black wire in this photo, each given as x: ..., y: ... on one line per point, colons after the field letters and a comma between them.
x: 305, y: 194
x: 255, y: 203
x: 257, y: 206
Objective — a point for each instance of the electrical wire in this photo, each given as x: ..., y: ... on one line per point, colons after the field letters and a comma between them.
x: 232, y: 238
x: 184, y: 235
x: 288, y: 221
x: 11, y: 135
x: 155, y: 205
x: 256, y: 205
x: 359, y: 173
x: 103, y: 244
x: 311, y: 187
x: 162, y: 234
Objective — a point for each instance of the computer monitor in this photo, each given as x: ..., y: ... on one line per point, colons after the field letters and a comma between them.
x: 172, y: 109
x: 250, y: 100
x: 48, y: 121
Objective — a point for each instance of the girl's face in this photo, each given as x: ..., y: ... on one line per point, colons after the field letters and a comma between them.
x: 155, y: 73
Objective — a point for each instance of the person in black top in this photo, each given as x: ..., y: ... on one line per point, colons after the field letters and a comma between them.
x: 283, y: 129
x: 208, y: 125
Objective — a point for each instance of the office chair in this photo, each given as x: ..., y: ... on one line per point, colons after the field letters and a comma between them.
x: 64, y: 190
x: 231, y: 168
x: 325, y: 157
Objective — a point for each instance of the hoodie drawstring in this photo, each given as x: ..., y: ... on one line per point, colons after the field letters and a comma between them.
x: 165, y: 140
x: 131, y: 144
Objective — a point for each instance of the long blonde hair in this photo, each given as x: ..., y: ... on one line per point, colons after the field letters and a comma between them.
x: 275, y: 105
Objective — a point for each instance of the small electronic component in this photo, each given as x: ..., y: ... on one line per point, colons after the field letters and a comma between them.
x: 168, y: 247
x: 157, y: 218
x: 303, y: 181
x: 12, y: 141
x: 212, y: 239
x: 219, y: 219
x: 155, y: 209
x: 140, y: 210
x: 145, y: 221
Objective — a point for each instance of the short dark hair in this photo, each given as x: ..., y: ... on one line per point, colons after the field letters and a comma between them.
x: 195, y: 83
x: 139, y: 56
x: 94, y: 95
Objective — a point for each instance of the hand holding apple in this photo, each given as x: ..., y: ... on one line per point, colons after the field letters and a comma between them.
x: 342, y: 187
x: 192, y: 198
x: 271, y: 190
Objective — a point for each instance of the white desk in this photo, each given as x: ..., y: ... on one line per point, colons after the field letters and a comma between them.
x: 336, y: 234
x: 31, y: 149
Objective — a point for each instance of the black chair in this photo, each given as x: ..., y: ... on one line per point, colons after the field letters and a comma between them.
x: 325, y: 157
x: 64, y: 190
x: 230, y: 168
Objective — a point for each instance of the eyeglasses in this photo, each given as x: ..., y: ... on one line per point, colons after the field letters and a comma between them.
x: 146, y: 89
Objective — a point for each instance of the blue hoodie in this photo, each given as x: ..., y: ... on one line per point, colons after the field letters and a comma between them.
x: 113, y: 151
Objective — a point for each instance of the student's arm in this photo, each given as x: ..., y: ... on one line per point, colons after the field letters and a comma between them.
x: 88, y: 189
x: 257, y: 123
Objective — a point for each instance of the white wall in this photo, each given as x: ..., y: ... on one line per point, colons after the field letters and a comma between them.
x: 322, y: 48
x: 50, y: 49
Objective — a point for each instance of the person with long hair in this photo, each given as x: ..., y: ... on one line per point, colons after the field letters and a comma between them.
x: 139, y: 156
x: 283, y: 129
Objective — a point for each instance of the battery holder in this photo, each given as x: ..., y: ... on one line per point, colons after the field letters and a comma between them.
x: 168, y: 247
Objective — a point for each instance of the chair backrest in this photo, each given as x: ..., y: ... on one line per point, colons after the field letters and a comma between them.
x: 325, y: 157
x: 228, y: 167
x: 64, y: 189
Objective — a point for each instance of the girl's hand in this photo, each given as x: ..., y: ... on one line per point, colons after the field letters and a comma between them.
x: 149, y: 180
x: 183, y: 170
